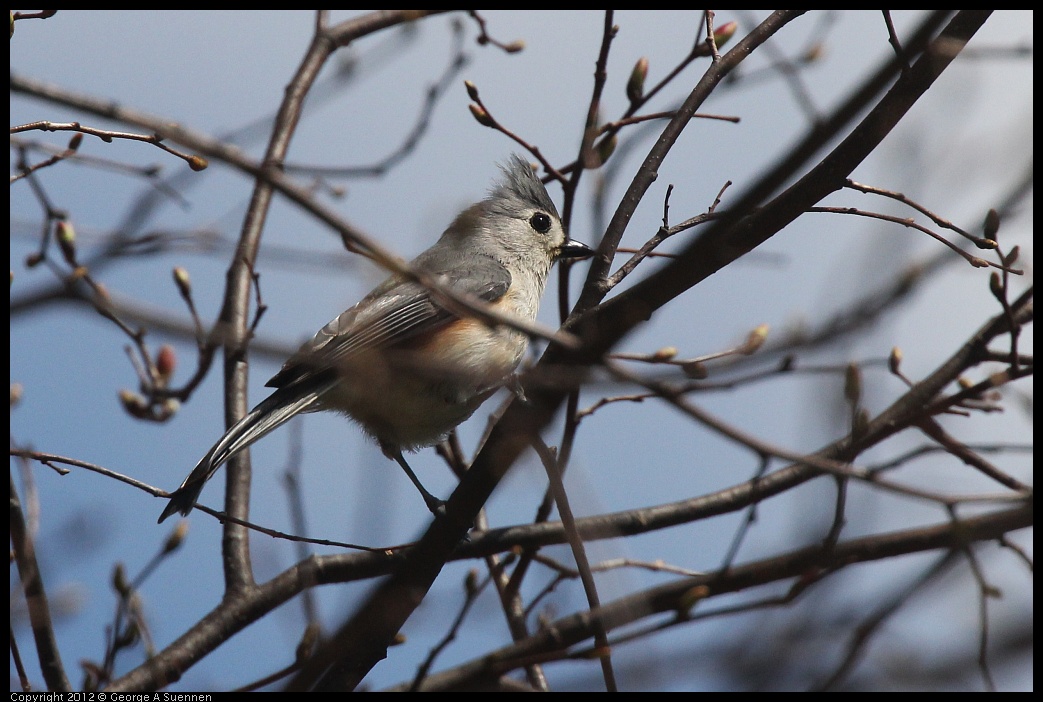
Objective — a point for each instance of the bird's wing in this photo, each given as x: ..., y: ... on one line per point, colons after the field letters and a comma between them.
x: 393, y: 313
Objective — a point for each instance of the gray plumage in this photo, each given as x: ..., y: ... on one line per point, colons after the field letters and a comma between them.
x: 405, y: 368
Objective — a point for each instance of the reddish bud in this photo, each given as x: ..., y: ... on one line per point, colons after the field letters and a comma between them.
x: 166, y: 362
x: 723, y: 34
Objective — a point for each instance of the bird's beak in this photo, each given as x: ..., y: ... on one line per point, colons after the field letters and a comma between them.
x: 575, y: 249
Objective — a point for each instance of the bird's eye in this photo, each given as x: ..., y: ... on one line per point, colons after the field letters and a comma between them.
x: 540, y: 222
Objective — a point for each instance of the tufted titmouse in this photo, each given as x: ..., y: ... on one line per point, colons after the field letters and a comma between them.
x: 400, y: 364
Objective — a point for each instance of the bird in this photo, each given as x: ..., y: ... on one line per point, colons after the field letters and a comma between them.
x: 401, y: 364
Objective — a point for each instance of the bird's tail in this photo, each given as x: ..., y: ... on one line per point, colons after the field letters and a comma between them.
x: 277, y: 409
